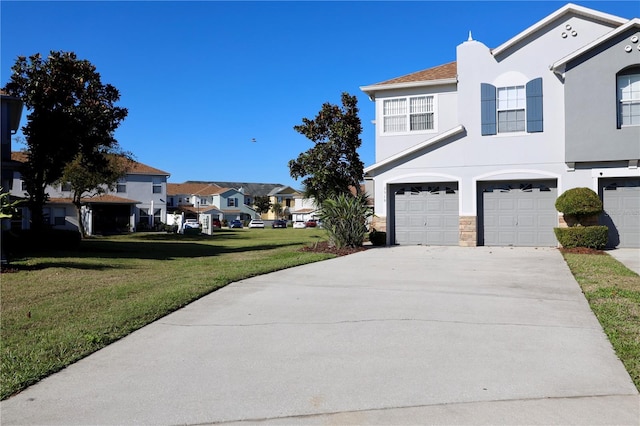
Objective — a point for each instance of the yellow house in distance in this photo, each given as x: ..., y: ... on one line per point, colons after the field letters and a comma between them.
x: 284, y: 196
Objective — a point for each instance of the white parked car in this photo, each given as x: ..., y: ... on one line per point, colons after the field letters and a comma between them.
x: 299, y: 224
x: 191, y: 223
x: 256, y: 223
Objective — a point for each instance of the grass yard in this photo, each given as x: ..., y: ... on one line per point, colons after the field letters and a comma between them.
x: 60, y: 307
x: 613, y: 292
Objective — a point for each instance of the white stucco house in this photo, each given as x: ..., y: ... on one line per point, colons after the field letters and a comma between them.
x: 138, y: 202
x: 304, y: 209
x: 207, y: 201
x: 476, y: 151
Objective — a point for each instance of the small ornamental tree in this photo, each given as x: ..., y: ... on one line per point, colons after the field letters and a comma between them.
x: 580, y: 207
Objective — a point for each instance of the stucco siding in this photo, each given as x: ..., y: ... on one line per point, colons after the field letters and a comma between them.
x: 592, y: 132
x: 446, y: 106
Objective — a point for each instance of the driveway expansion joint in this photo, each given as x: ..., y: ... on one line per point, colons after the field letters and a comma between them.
x: 360, y: 321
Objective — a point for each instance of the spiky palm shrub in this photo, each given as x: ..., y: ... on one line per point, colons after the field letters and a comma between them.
x: 345, y: 219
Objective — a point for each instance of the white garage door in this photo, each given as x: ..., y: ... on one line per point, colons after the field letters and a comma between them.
x: 621, y: 200
x: 427, y: 214
x: 519, y: 213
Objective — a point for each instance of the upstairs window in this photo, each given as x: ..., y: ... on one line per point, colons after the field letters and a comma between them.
x: 628, y: 86
x: 511, y: 109
x: 121, y: 187
x: 156, y: 185
x: 231, y: 202
x: 410, y: 114
x: 65, y: 187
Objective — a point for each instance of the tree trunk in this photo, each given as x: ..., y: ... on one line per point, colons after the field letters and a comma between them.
x: 78, y: 206
x: 36, y: 204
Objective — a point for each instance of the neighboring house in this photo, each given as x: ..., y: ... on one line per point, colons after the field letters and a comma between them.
x: 207, y: 201
x: 11, y: 113
x: 476, y: 151
x: 304, y: 209
x: 277, y: 193
x: 286, y: 197
x: 137, y: 203
x: 251, y: 190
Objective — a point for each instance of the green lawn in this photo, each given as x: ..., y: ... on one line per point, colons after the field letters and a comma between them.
x: 60, y: 307
x: 613, y: 292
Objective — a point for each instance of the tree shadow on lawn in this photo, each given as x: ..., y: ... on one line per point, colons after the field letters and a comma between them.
x: 62, y: 264
x: 152, y: 247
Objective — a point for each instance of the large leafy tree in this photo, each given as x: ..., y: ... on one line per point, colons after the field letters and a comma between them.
x: 71, y: 113
x: 93, y: 176
x: 332, y: 166
x: 262, y: 204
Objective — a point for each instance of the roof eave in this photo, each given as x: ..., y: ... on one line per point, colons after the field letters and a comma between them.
x: 442, y: 136
x: 559, y: 67
x: 579, y: 10
x: 374, y: 88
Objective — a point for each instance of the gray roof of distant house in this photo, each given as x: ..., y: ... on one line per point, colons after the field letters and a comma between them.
x: 253, y: 189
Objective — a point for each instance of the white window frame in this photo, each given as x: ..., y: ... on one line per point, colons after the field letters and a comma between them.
x: 629, y: 97
x: 402, y: 109
x: 121, y: 186
x: 512, y: 104
x: 156, y: 184
x: 231, y: 202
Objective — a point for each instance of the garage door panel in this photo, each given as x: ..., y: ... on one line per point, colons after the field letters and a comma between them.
x: 434, y: 222
x: 434, y: 206
x: 451, y: 223
x: 527, y: 238
x: 548, y: 220
x: 415, y: 221
x: 527, y: 204
x: 527, y: 220
x: 506, y: 204
x: 506, y: 221
x: 415, y: 206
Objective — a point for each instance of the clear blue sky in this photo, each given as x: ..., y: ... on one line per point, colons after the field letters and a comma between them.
x: 201, y: 79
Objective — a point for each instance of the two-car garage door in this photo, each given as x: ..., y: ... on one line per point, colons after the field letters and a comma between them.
x: 518, y: 213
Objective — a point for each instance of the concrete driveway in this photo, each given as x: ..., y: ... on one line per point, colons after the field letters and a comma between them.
x: 402, y: 335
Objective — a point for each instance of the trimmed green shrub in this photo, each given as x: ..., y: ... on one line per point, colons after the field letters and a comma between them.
x: 594, y: 237
x: 579, y: 203
x: 378, y: 238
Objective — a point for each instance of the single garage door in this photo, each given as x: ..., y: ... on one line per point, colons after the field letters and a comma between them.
x: 427, y: 214
x: 621, y: 201
x: 518, y: 213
